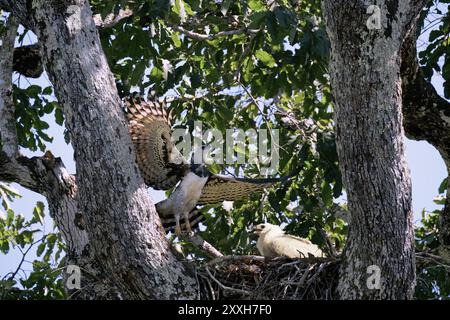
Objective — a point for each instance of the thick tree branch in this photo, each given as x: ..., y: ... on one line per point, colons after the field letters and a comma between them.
x: 203, y: 245
x: 21, y: 9
x: 202, y: 37
x: 111, y: 19
x: 17, y: 170
x: 417, y: 6
x: 12, y: 167
x: 426, y: 116
x: 409, y: 10
x: 47, y: 175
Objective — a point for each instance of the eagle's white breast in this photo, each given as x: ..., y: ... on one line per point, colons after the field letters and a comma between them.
x: 191, y: 190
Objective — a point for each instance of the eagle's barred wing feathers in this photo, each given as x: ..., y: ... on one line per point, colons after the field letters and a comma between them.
x: 150, y: 129
x: 222, y: 188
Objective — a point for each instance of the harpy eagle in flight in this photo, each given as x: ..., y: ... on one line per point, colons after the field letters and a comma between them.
x: 163, y: 167
x: 273, y: 242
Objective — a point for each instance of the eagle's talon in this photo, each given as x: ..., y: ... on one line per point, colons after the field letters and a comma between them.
x: 177, y: 227
x: 187, y: 223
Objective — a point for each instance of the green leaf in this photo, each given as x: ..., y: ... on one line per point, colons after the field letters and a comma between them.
x: 59, y: 117
x: 327, y: 194
x: 188, y: 9
x: 9, y: 217
x: 11, y: 192
x: 265, y: 58
x: 434, y: 35
x: 27, y: 236
x: 138, y: 72
x: 33, y: 90
x: 256, y: 5
x: 226, y: 113
x: 47, y: 91
x: 156, y: 75
x: 439, y: 200
x: 176, y: 39
x: 225, y: 6
x: 257, y: 19
x: 40, y: 248
x: 285, y: 18
x: 443, y: 186
x: 4, y: 246
x: 38, y: 212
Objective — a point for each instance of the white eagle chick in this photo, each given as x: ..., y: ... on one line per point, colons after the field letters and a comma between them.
x: 273, y: 242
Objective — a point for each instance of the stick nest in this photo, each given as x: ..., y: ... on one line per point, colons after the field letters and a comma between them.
x: 255, y: 277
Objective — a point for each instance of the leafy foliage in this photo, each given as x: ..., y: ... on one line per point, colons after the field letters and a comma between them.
x: 435, y: 57
x: 433, y: 279
x: 31, y: 105
x: 44, y: 280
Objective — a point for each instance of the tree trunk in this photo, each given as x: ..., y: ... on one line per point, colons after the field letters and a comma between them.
x: 366, y: 84
x: 126, y: 239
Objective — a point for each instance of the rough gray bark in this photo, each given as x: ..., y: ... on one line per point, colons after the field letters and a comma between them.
x: 427, y: 117
x: 366, y: 84
x: 46, y: 175
x: 8, y: 137
x: 125, y: 233
x: 126, y: 241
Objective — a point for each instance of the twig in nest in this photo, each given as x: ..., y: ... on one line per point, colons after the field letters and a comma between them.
x: 270, y: 279
x: 248, y: 258
x: 303, y: 279
x: 223, y: 287
x: 330, y: 247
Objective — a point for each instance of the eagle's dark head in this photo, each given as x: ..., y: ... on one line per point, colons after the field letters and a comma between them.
x: 200, y: 170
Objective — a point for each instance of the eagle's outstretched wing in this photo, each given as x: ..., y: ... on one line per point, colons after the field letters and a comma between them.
x: 158, y: 159
x: 222, y: 188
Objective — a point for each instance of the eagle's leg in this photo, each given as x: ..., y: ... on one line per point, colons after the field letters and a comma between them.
x: 177, y: 225
x: 186, y: 222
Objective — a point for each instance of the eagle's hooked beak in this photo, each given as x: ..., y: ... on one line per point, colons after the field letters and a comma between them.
x: 258, y: 229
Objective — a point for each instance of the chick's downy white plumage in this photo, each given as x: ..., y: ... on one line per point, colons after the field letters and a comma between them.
x: 273, y: 242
